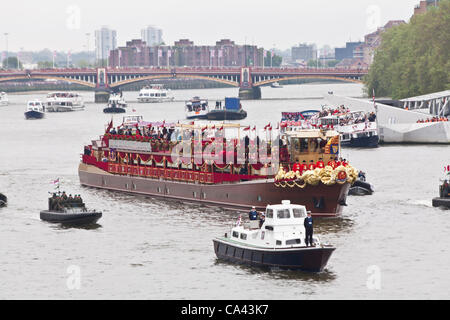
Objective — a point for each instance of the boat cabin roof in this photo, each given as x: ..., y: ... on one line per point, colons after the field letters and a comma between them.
x: 285, y: 214
x: 34, y: 103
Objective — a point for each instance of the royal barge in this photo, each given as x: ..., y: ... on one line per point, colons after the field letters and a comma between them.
x: 139, y: 158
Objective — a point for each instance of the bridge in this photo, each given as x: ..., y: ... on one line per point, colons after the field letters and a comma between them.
x: 248, y: 79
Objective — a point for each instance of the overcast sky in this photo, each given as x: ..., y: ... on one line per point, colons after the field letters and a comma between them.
x: 62, y: 25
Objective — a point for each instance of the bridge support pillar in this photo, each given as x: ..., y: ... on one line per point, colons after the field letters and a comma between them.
x: 101, y: 95
x: 250, y: 93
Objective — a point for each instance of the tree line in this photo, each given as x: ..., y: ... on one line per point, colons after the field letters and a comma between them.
x: 413, y: 59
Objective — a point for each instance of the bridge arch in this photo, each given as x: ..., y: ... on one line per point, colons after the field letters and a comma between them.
x: 80, y: 82
x: 261, y: 83
x: 170, y: 76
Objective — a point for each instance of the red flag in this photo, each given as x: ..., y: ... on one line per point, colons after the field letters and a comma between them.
x: 247, y: 128
x: 192, y: 123
x: 221, y: 128
x: 213, y: 127
x: 204, y: 128
x: 254, y: 128
x: 109, y: 126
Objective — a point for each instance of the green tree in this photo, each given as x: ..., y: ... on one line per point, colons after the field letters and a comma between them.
x: 413, y: 58
x: 276, y: 60
x: 11, y: 63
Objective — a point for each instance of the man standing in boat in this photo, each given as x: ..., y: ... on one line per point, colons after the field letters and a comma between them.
x: 253, y: 214
x: 308, y: 223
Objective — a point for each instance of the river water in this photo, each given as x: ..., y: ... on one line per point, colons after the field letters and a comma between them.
x: 390, y: 245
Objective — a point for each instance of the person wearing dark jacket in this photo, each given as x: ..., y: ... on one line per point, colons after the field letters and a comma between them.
x: 253, y: 214
x: 308, y: 223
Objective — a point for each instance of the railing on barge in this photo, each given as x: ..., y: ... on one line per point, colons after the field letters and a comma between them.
x: 169, y: 174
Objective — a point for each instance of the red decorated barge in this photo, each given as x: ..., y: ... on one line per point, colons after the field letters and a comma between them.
x: 138, y: 158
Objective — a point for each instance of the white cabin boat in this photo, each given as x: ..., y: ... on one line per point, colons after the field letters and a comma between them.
x: 3, y: 99
x: 35, y: 110
x: 280, y: 242
x: 355, y: 128
x: 276, y: 85
x: 197, y: 108
x: 117, y: 100
x: 64, y: 102
x: 155, y: 93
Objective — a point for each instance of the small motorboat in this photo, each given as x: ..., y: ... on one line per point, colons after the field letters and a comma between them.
x: 444, y: 192
x: 276, y: 85
x: 197, y: 108
x: 68, y: 210
x: 35, y: 110
x: 360, y: 187
x: 279, y: 243
x: 3, y: 200
x: 231, y: 110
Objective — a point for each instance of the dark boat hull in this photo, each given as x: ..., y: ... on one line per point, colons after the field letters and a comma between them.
x: 360, y: 188
x: 114, y: 110
x: 3, y: 200
x: 227, y: 115
x: 70, y: 218
x: 29, y: 115
x: 312, y: 259
x: 441, y: 202
x: 321, y: 200
x: 362, y: 142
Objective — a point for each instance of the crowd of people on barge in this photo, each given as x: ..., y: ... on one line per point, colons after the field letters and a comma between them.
x: 305, y: 166
x: 60, y: 201
x: 433, y: 119
x: 148, y: 132
x: 347, y: 118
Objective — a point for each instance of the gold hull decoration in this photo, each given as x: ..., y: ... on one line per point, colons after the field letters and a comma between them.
x: 328, y: 176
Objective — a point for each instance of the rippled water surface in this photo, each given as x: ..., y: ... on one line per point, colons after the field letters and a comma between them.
x: 145, y: 248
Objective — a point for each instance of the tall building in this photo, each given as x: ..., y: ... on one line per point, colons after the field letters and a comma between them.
x: 185, y: 53
x: 347, y: 52
x: 305, y: 52
x: 105, y: 41
x: 423, y: 6
x: 152, y: 36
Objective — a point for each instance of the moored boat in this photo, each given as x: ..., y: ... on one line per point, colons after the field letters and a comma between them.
x: 444, y: 191
x: 34, y: 110
x: 196, y: 108
x: 64, y: 102
x: 155, y: 93
x: 278, y: 243
x: 230, y: 110
x: 142, y: 156
x: 118, y: 100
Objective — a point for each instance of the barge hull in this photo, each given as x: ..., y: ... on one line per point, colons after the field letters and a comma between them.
x: 321, y: 200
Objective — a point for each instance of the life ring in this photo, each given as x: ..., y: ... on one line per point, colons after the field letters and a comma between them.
x: 342, y: 175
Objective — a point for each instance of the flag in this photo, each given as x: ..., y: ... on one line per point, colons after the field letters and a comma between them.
x: 55, y: 181
x: 247, y: 128
x: 134, y: 110
x: 221, y: 128
x: 254, y: 128
x: 238, y: 222
x: 204, y: 128
x: 192, y: 123
x: 109, y: 126
x: 213, y: 127
x: 265, y: 128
